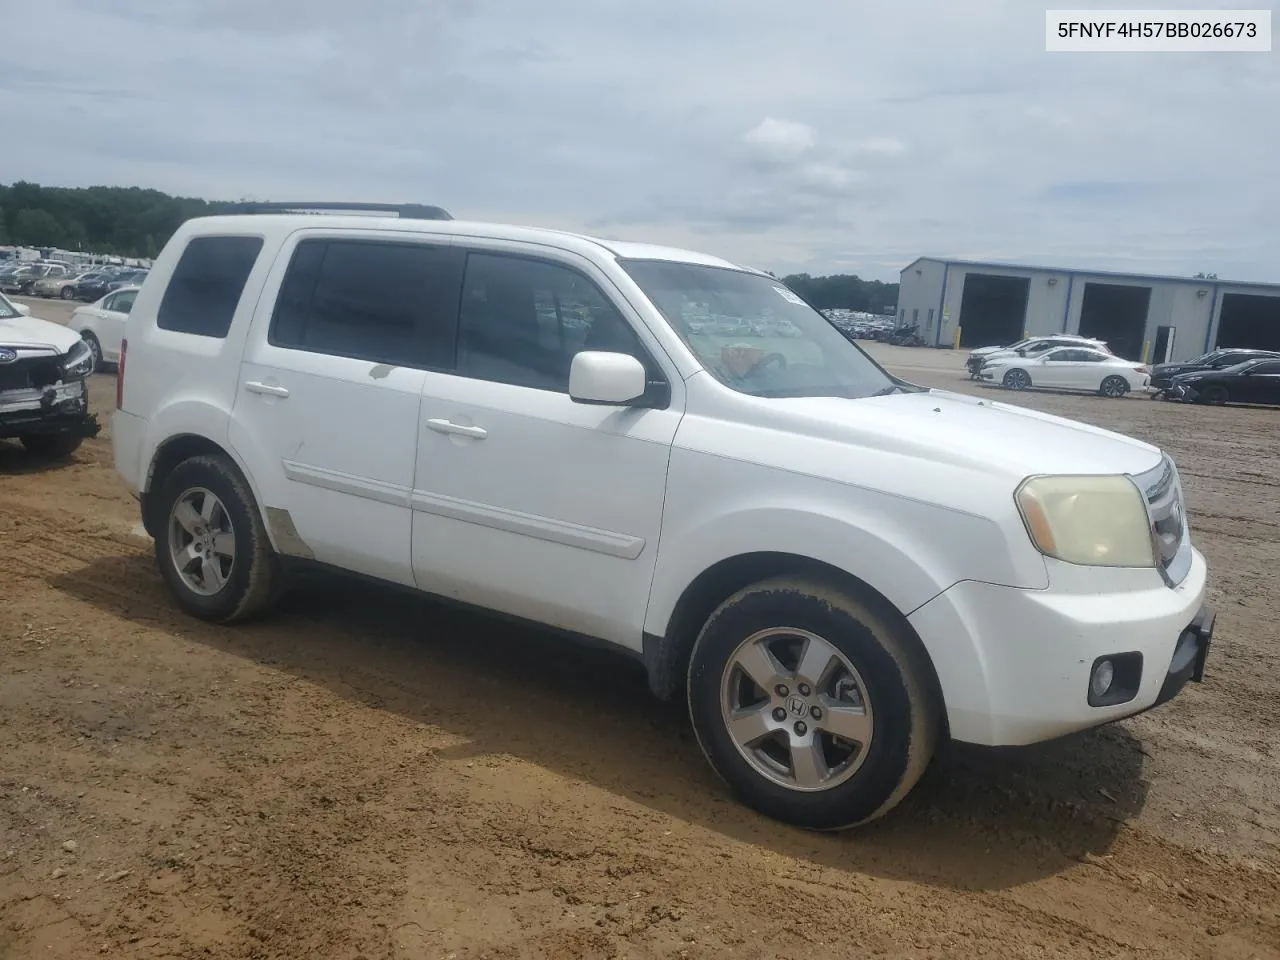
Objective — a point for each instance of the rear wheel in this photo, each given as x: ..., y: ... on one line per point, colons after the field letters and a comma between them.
x: 53, y: 446
x: 1114, y: 387
x: 211, y: 543
x: 1017, y: 379
x: 812, y: 706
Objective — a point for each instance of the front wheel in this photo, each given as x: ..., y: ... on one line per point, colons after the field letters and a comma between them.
x: 52, y: 446
x: 68, y: 293
x: 1017, y: 379
x: 1114, y: 387
x: 814, y: 708
x: 95, y: 348
x: 1216, y: 395
x: 211, y: 543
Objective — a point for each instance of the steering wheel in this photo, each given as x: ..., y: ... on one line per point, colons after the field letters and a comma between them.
x: 778, y: 359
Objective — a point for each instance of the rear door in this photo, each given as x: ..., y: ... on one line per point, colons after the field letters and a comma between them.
x: 330, y: 387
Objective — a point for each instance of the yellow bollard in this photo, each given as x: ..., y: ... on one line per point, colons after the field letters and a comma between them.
x: 1146, y: 351
x: 955, y: 341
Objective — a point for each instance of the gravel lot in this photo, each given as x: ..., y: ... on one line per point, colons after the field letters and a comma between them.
x: 369, y: 775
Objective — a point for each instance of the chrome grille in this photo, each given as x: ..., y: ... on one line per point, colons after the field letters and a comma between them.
x: 1163, y: 492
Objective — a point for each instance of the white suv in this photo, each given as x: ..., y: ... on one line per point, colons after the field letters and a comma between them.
x: 834, y: 566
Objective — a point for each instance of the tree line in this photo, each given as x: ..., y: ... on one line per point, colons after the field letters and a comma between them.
x: 845, y: 291
x: 135, y: 222
x: 126, y: 221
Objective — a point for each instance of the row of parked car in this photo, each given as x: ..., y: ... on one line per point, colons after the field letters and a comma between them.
x: 1068, y: 361
x: 57, y: 279
x: 1061, y: 362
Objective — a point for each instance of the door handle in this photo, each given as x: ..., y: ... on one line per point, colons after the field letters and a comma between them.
x: 448, y: 426
x: 270, y: 389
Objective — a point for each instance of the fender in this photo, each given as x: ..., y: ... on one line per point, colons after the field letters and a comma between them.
x: 194, y: 417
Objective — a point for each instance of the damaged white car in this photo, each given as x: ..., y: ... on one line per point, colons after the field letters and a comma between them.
x: 44, y: 399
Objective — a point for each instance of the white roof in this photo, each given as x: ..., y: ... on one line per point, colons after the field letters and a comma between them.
x: 259, y: 223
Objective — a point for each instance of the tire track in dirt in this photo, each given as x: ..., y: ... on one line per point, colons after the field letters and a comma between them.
x: 585, y: 842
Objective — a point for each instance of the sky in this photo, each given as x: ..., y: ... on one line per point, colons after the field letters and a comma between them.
x: 821, y: 136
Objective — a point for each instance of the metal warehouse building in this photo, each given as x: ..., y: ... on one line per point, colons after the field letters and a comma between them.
x: 1147, y: 318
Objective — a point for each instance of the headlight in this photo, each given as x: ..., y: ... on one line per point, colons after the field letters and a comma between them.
x: 79, y: 361
x: 1094, y: 521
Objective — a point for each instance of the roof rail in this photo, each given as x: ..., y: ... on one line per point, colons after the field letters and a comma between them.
x: 406, y: 211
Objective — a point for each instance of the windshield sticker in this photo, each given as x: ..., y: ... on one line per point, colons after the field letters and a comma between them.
x: 788, y: 296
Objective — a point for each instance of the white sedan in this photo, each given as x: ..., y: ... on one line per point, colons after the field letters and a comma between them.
x: 101, y: 324
x: 1069, y: 368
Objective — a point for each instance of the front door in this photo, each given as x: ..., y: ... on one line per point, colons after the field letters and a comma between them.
x: 329, y: 392
x: 1059, y: 368
x: 111, y: 321
x: 525, y: 501
x: 1164, y: 344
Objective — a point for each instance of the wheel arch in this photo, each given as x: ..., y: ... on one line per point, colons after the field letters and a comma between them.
x: 666, y: 656
x: 173, y: 451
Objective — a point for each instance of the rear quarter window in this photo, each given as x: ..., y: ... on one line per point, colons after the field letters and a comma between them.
x: 206, y: 285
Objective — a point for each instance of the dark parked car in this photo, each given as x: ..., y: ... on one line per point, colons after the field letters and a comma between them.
x: 1162, y: 374
x: 130, y: 278
x: 1254, y: 381
x: 92, y: 286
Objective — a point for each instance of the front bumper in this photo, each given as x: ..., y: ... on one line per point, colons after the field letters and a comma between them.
x: 58, y: 408
x: 1015, y: 665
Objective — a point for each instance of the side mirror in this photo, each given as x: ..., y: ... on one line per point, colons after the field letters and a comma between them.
x: 23, y: 309
x: 606, y: 378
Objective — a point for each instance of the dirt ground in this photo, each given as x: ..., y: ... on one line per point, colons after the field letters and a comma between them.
x: 367, y: 775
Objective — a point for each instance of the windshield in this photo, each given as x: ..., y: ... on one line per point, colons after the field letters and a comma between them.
x: 753, y: 334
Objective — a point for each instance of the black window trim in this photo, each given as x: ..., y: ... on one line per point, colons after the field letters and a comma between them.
x: 453, y: 298
x: 657, y: 393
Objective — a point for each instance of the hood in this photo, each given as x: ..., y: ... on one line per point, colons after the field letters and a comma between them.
x: 985, y: 351
x: 32, y: 333
x: 971, y: 432
x: 1168, y: 369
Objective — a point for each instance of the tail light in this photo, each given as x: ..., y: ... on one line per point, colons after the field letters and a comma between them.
x: 124, y: 348
x: 1143, y: 369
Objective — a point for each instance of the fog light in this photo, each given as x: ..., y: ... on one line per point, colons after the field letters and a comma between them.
x: 1104, y: 672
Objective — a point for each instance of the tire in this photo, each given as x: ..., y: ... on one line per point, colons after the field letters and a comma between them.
x: 95, y: 348
x: 1017, y: 379
x: 244, y: 585
x: 891, y: 677
x: 68, y: 293
x: 52, y: 446
x: 1216, y: 395
x: 1114, y: 387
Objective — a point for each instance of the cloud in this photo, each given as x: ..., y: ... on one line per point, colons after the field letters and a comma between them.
x: 846, y: 137
x: 779, y: 141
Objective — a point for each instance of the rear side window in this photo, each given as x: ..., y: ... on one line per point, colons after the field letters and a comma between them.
x: 370, y: 300
x: 206, y: 285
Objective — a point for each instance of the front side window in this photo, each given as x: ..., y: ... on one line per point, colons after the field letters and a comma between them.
x: 755, y: 335
x: 522, y: 321
x: 387, y: 302
x: 206, y: 285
